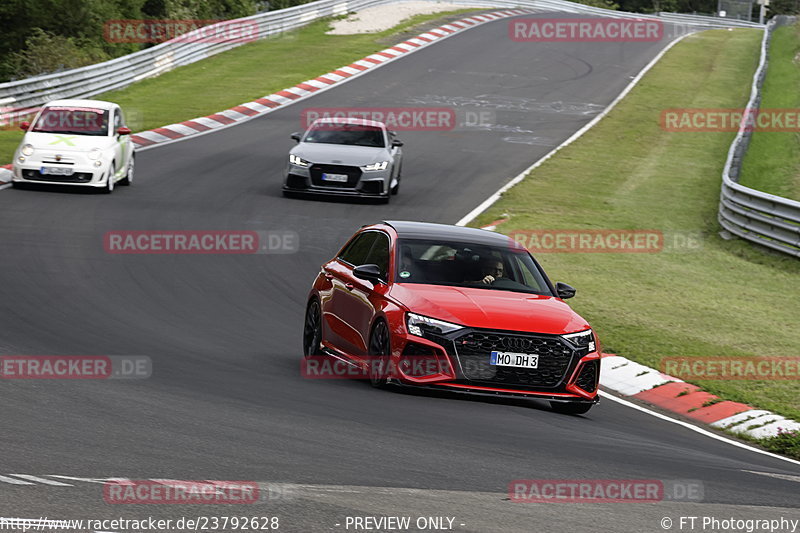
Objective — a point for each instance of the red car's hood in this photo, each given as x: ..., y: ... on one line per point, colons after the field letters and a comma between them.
x: 490, y: 309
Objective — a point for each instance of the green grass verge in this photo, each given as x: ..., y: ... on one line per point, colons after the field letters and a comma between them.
x: 244, y: 74
x: 723, y: 298
x: 772, y: 162
x: 786, y: 443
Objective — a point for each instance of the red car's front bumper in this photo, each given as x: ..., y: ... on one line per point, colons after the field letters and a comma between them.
x: 421, y: 362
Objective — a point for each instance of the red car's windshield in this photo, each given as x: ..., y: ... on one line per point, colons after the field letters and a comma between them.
x: 74, y: 120
x: 469, y: 265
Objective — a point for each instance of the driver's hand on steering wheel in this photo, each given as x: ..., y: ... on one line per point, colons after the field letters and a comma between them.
x: 488, y: 280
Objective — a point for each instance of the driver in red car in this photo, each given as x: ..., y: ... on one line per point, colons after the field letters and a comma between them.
x: 491, y: 269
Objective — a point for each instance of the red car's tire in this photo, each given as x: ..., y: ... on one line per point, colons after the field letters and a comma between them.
x: 312, y: 330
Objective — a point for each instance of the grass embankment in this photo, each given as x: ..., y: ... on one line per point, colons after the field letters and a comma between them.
x: 719, y: 299
x: 772, y: 162
x: 246, y: 73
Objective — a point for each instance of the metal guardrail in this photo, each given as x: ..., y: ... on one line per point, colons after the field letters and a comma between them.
x: 705, y: 19
x: 123, y: 71
x: 120, y: 72
x: 759, y: 217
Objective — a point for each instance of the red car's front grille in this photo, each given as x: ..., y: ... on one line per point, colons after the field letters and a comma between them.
x: 474, y: 349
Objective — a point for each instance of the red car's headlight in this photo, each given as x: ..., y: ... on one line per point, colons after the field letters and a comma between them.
x: 420, y: 325
x: 582, y: 339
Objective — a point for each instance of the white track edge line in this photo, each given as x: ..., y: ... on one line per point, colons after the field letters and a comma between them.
x: 519, y: 177
x: 695, y: 428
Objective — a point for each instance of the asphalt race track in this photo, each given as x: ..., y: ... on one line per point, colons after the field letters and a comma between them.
x: 226, y: 400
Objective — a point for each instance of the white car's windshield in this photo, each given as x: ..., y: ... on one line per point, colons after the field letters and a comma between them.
x: 468, y: 265
x: 74, y: 120
x: 350, y: 134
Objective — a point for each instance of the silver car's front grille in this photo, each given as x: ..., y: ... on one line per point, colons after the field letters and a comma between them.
x: 353, y: 176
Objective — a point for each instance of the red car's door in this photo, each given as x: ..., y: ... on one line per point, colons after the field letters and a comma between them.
x: 337, y: 307
x: 367, y: 297
x: 354, y: 301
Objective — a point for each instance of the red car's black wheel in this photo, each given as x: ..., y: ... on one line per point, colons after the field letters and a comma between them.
x: 379, y: 351
x: 312, y: 330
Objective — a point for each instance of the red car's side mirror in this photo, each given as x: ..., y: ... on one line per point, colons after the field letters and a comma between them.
x: 25, y: 125
x: 122, y: 130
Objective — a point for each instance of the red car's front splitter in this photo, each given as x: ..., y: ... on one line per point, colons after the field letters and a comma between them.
x: 501, y: 393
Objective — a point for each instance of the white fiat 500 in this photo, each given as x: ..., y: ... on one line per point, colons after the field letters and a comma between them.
x: 76, y: 142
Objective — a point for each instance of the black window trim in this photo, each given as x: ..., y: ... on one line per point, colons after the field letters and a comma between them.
x: 357, y: 235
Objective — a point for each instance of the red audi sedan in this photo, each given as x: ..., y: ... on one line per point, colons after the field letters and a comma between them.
x: 448, y: 307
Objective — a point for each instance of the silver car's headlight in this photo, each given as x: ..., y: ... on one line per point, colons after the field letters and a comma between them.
x: 419, y: 325
x: 299, y: 161
x: 377, y: 166
x: 582, y: 339
x: 27, y: 149
x: 94, y: 154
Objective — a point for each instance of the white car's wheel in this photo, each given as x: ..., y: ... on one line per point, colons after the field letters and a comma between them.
x: 109, y: 188
x: 128, y: 179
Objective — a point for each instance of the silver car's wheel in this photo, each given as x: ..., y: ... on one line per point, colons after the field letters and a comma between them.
x: 396, y: 187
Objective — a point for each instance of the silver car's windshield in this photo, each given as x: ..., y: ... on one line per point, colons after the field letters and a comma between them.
x: 468, y: 265
x: 349, y: 134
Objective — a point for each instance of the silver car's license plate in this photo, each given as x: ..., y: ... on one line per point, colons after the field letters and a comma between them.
x: 338, y: 178
x: 56, y: 171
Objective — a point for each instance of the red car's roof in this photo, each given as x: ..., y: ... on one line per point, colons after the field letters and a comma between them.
x: 423, y: 230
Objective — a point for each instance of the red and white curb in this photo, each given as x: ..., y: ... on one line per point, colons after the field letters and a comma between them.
x: 628, y: 378
x: 267, y: 104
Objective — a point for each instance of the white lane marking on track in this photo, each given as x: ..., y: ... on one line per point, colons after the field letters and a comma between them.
x: 696, y: 428
x: 42, y: 480
x: 13, y: 481
x: 101, y: 481
x: 787, y: 477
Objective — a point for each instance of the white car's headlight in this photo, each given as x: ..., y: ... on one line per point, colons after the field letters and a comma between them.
x: 419, y: 325
x: 377, y: 166
x: 27, y: 149
x: 582, y: 339
x: 299, y: 161
x: 94, y: 154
